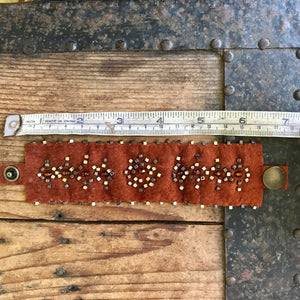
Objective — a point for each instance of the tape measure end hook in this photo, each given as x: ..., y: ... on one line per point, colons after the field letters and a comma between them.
x: 12, y: 125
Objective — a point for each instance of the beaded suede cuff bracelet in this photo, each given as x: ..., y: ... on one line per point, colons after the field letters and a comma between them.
x: 213, y: 174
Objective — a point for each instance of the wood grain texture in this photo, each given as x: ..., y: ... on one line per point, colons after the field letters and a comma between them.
x: 109, y: 81
x: 156, y: 261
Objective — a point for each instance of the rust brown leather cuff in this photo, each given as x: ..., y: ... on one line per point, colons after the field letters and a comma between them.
x: 225, y: 175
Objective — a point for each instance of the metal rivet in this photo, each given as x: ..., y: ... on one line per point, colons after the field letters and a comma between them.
x: 58, y: 216
x: 297, y: 279
x: 228, y: 56
x: 166, y: 45
x: 70, y: 288
x: 121, y: 45
x: 28, y: 48
x: 228, y: 234
x: 60, y: 272
x: 215, y: 44
x: 263, y: 44
x: 274, y: 178
x: 230, y: 281
x: 71, y: 46
x: 296, y: 233
x: 229, y: 90
x: 296, y: 95
x: 64, y: 241
x: 298, y: 53
x: 11, y: 173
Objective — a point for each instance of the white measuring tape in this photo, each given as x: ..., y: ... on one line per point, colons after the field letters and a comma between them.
x: 158, y: 123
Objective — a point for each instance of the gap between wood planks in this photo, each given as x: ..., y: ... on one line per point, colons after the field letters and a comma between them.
x: 114, y: 222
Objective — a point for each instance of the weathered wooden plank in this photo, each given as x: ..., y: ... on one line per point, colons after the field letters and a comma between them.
x: 156, y: 261
x: 83, y: 82
x: 109, y: 212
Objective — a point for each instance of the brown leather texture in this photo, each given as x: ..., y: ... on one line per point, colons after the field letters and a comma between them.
x: 166, y: 172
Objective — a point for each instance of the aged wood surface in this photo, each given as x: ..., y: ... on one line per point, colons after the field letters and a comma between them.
x: 49, y: 260
x: 177, y: 255
x: 83, y: 82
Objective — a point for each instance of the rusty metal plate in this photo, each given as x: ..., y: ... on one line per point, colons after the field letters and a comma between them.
x: 148, y: 25
x: 263, y: 245
x: 263, y: 80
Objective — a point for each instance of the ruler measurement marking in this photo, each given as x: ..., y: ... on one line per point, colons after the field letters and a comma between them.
x: 245, y: 123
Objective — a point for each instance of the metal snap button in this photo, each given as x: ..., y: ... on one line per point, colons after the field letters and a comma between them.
x: 11, y: 173
x: 274, y: 178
